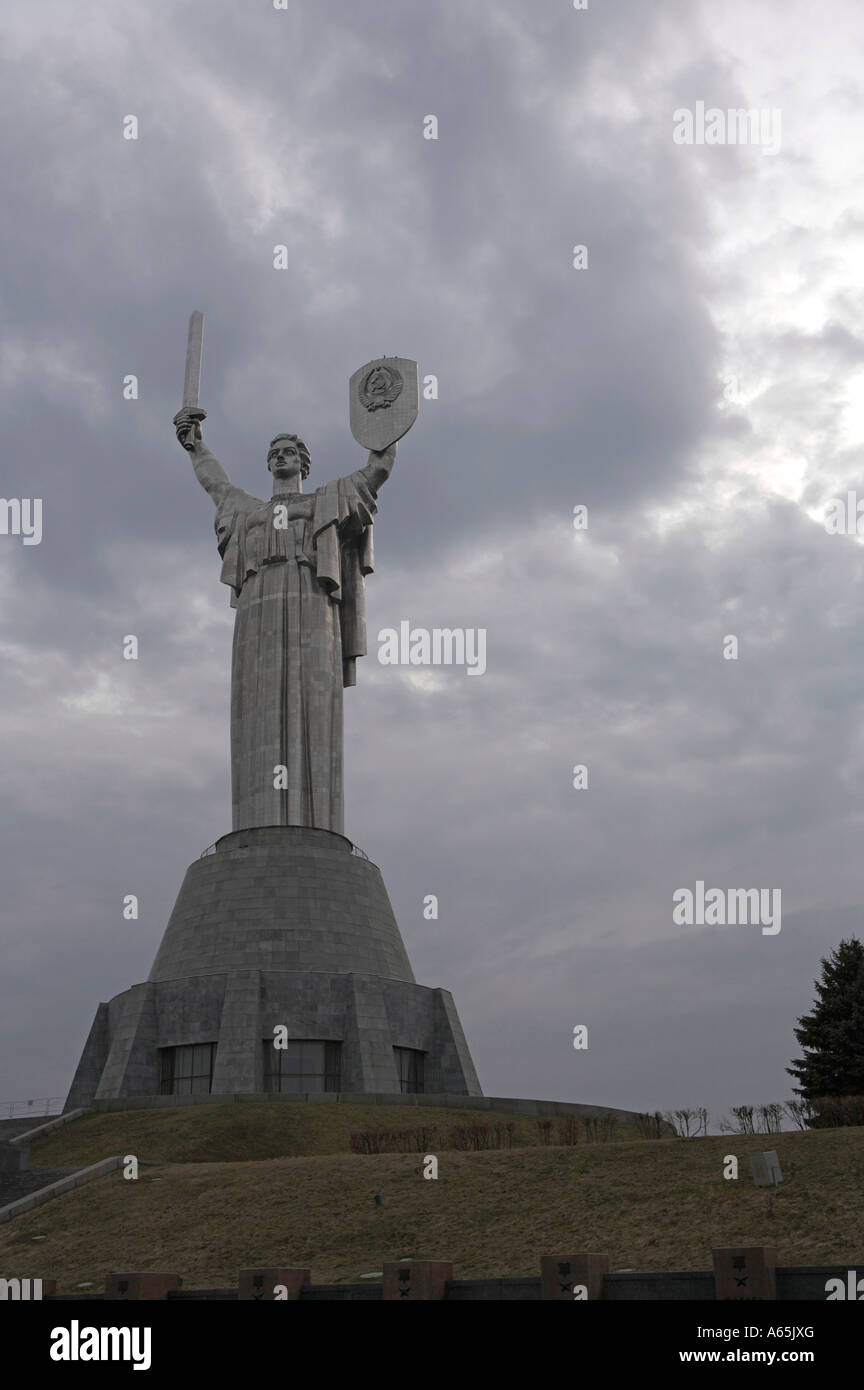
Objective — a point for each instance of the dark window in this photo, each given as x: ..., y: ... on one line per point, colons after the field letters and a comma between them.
x: 187, y: 1071
x: 302, y: 1065
x: 409, y: 1065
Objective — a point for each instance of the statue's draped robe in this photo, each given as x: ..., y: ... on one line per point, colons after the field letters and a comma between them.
x: 299, y: 593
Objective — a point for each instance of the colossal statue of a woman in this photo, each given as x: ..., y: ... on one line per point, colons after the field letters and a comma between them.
x: 296, y: 567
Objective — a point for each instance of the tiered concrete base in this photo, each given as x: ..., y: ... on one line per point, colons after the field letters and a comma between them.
x: 278, y: 926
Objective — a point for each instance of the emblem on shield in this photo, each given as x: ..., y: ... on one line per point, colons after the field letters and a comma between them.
x: 383, y: 401
x: 380, y: 387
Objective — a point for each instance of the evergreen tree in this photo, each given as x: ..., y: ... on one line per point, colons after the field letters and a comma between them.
x: 832, y: 1036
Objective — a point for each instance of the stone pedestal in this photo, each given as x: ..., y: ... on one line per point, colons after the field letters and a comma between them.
x: 282, y: 926
x: 745, y: 1272
x: 271, y: 1285
x: 560, y: 1274
x: 416, y: 1280
x: 140, y: 1286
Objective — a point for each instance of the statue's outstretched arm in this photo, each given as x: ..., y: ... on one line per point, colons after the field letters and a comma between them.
x: 380, y: 466
x: 208, y: 470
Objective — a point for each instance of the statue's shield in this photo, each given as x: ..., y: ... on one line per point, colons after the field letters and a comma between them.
x: 383, y: 399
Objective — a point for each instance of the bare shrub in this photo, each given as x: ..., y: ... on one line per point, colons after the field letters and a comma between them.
x: 800, y: 1112
x: 742, y: 1121
x: 568, y: 1130
x: 650, y: 1126
x: 688, y: 1123
x: 381, y: 1141
x: 600, y: 1129
x: 544, y: 1128
x: 473, y: 1137
x: 608, y: 1127
x: 480, y: 1136
x: 769, y: 1118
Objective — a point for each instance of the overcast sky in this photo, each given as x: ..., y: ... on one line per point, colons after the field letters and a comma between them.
x: 698, y: 387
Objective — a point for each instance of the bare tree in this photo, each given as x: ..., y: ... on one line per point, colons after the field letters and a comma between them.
x: 769, y: 1118
x: 742, y: 1122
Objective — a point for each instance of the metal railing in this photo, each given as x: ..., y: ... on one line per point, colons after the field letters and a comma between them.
x: 11, y: 1109
x: 355, y: 849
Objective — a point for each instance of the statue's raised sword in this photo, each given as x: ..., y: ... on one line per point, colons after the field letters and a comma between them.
x: 192, y: 383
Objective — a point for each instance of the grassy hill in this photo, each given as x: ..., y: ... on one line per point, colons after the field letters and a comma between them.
x: 652, y: 1205
x: 244, y: 1132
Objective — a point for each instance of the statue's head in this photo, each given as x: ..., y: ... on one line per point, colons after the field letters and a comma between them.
x: 288, y: 455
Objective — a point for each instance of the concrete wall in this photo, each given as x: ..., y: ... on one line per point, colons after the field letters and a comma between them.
x: 367, y: 1015
x: 13, y: 1157
x: 280, y: 925
x: 282, y: 898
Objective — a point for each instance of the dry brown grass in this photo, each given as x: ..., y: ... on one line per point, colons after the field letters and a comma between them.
x: 650, y: 1205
